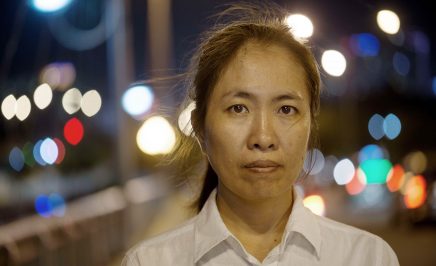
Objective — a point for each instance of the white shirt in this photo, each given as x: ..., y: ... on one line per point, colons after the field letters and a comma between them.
x: 308, y: 239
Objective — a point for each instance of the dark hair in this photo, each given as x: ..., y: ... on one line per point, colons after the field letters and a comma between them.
x: 238, y: 24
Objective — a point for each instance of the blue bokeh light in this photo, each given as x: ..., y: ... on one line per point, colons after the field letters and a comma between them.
x: 392, y: 126
x: 16, y: 159
x: 37, y: 153
x: 42, y: 206
x: 137, y: 100
x: 370, y: 152
x: 375, y: 126
x: 434, y: 85
x: 401, y: 63
x: 365, y: 44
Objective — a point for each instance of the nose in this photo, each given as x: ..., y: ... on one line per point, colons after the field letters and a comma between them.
x: 262, y: 134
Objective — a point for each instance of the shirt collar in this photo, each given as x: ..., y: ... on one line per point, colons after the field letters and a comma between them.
x: 303, y: 221
x: 210, y: 229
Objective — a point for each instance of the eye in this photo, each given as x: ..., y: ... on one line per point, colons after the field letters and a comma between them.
x: 238, y: 108
x: 287, y: 110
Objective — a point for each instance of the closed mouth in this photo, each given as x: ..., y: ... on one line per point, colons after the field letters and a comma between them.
x: 262, y: 166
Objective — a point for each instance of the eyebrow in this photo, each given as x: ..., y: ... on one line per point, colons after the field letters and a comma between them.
x: 247, y: 95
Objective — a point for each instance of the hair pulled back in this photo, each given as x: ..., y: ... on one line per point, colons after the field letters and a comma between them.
x: 236, y: 25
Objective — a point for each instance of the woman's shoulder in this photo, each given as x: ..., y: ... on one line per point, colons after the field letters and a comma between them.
x: 164, y: 249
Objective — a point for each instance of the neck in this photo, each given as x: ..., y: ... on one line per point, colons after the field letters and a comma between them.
x: 255, y: 218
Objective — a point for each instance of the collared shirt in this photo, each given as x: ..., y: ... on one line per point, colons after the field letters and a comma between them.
x: 308, y: 239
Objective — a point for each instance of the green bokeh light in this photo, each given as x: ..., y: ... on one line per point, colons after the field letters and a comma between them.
x: 376, y: 170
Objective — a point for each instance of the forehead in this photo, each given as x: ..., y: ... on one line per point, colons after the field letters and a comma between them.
x: 264, y: 70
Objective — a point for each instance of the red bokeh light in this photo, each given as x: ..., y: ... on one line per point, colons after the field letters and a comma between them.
x: 61, y: 150
x: 73, y: 131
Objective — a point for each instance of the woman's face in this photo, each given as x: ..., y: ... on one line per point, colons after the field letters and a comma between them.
x: 258, y: 123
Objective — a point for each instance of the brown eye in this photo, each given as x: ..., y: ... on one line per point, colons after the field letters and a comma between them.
x: 238, y: 108
x: 287, y: 109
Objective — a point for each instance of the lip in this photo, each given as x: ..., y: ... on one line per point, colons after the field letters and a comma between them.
x: 262, y: 166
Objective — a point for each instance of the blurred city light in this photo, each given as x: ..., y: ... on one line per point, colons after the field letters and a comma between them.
x: 398, y: 38
x: 343, y: 172
x: 37, y: 153
x: 56, y: 204
x: 59, y: 75
x: 50, y: 5
x: 49, y: 151
x: 29, y: 160
x: 42, y: 96
x: 23, y: 108
x: 415, y: 192
x: 395, y: 178
x: 156, y: 136
x: 333, y: 62
x: 71, y: 100
x: 416, y: 162
x: 401, y: 63
x: 433, y: 85
x: 364, y: 44
x: 301, y: 26
x: 184, y: 120
x: 314, y: 162
x: 391, y: 126
x: 325, y: 177
x: 91, y: 103
x: 357, y: 184
x: 388, y: 21
x: 73, y: 131
x: 42, y: 206
x: 9, y: 107
x: 315, y: 203
x: 373, y: 196
x: 16, y: 159
x: 375, y: 126
x: 369, y: 152
x: 61, y: 150
x: 137, y: 100
x: 376, y: 170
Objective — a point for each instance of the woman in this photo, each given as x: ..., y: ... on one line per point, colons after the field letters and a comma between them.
x: 257, y: 93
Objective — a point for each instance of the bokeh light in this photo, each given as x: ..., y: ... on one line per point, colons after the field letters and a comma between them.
x: 42, y: 206
x: 370, y: 151
x: 333, y: 62
x: 29, y: 160
x: 388, y: 21
x: 357, y: 184
x: 71, y: 100
x: 395, y: 178
x: 23, y: 108
x: 91, y: 103
x: 314, y: 162
x: 61, y: 150
x: 401, y: 63
x: 343, y: 172
x: 73, y: 131
x: 156, y: 136
x: 59, y: 75
x: 375, y: 126
x: 42, y: 96
x: 315, y: 203
x: 184, y: 120
x: 16, y: 159
x: 137, y: 100
x: 9, y: 107
x: 376, y: 170
x: 416, y: 162
x: 301, y: 26
x: 49, y: 151
x: 37, y: 153
x: 50, y: 5
x: 373, y: 196
x: 364, y: 44
x: 391, y: 126
x: 415, y: 192
x: 434, y: 85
